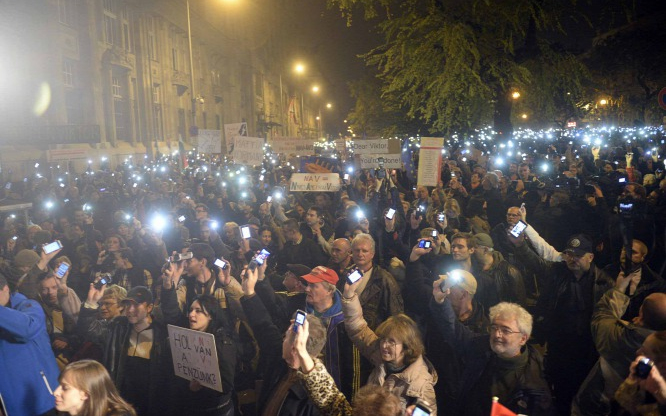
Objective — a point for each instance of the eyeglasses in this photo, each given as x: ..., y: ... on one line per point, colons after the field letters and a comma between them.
x: 386, y: 341
x: 504, y: 331
x: 106, y: 304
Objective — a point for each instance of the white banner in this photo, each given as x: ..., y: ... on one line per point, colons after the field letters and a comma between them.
x: 209, y: 141
x: 308, y: 182
x: 248, y: 150
x: 369, y: 147
x: 195, y: 356
x: 231, y: 131
x: 430, y: 160
x: 372, y: 161
x: 288, y: 145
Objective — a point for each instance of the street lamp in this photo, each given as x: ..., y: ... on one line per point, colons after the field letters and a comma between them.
x: 329, y: 105
x: 299, y: 68
x: 603, y: 101
x: 524, y: 116
x: 315, y: 88
x: 515, y: 95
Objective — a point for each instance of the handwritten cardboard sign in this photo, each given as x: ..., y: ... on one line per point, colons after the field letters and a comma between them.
x: 313, y: 182
x: 195, y: 356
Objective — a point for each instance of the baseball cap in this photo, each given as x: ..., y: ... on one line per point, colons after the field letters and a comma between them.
x: 483, y: 239
x: 579, y: 244
x: 139, y: 294
x: 299, y: 269
x: 463, y: 279
x: 321, y: 274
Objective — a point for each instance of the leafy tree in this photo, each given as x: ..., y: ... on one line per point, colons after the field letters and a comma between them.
x: 454, y: 64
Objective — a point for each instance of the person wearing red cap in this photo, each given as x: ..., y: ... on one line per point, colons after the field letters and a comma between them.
x: 324, y: 301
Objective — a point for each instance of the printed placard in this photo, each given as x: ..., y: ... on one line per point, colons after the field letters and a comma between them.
x: 209, y: 141
x: 369, y: 147
x: 231, y: 131
x: 289, y: 145
x: 195, y: 356
x: 248, y: 150
x: 372, y: 161
x: 307, y: 182
x: 430, y: 161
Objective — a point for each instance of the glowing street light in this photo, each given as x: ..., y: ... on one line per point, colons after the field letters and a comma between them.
x: 315, y: 88
x: 524, y: 116
x: 299, y: 68
x: 329, y: 105
x: 515, y: 95
x: 603, y: 101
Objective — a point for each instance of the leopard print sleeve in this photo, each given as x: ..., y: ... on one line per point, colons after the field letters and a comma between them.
x: 323, y: 391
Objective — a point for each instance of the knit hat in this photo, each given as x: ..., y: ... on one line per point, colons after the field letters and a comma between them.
x: 483, y: 239
x: 26, y: 258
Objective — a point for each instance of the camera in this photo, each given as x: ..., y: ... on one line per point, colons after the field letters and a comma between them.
x: 425, y: 244
x: 644, y: 367
x: 104, y: 279
x: 180, y: 257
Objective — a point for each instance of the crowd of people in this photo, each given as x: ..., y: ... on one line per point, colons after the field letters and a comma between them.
x: 546, y: 291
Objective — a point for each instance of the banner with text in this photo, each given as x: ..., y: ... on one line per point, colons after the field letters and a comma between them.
x: 307, y: 182
x: 231, y: 131
x: 289, y: 145
x: 195, y: 356
x: 372, y: 161
x: 369, y: 147
x: 319, y: 164
x: 209, y: 141
x: 248, y: 150
x: 430, y: 161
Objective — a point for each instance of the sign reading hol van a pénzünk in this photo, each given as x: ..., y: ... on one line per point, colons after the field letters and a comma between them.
x: 312, y: 182
x: 195, y: 356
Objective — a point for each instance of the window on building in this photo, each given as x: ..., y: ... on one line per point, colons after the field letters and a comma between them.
x: 127, y: 37
x: 67, y: 12
x: 152, y: 39
x: 116, y: 88
x: 157, y: 121
x: 174, y: 58
x: 218, y: 122
x: 156, y: 94
x: 205, y: 120
x: 68, y: 67
x: 110, y: 22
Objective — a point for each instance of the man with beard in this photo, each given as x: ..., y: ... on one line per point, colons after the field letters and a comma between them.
x: 644, y: 281
x: 500, y: 364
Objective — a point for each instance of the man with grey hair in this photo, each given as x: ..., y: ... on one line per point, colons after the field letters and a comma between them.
x: 378, y: 291
x: 497, y: 364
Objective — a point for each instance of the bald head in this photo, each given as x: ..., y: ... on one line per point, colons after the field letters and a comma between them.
x: 340, y: 250
x: 653, y: 312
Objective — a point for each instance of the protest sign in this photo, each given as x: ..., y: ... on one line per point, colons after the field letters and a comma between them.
x: 368, y: 147
x: 318, y: 164
x: 372, y: 161
x: 248, y: 150
x: 430, y: 161
x: 209, y: 141
x: 195, y: 356
x: 231, y: 131
x: 306, y: 182
x: 289, y: 145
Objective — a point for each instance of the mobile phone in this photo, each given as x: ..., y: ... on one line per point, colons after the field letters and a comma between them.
x: 441, y: 217
x: 390, y: 214
x: 262, y: 256
x: 220, y: 263
x: 433, y: 233
x: 269, y: 198
x: 622, y: 180
x: 104, y: 280
x: 421, y: 410
x: 425, y: 244
x: 245, y: 231
x: 62, y: 269
x: 452, y: 278
x: 181, y: 256
x: 643, y: 368
x: 518, y: 228
x: 300, y: 319
x: 354, y: 276
x: 8, y: 186
x: 346, y: 177
x: 181, y: 218
x: 15, y: 238
x: 51, y: 247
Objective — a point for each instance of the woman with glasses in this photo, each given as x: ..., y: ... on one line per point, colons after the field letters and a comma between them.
x: 102, y: 306
x: 396, y: 350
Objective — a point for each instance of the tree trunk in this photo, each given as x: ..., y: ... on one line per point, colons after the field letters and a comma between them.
x: 502, y: 116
